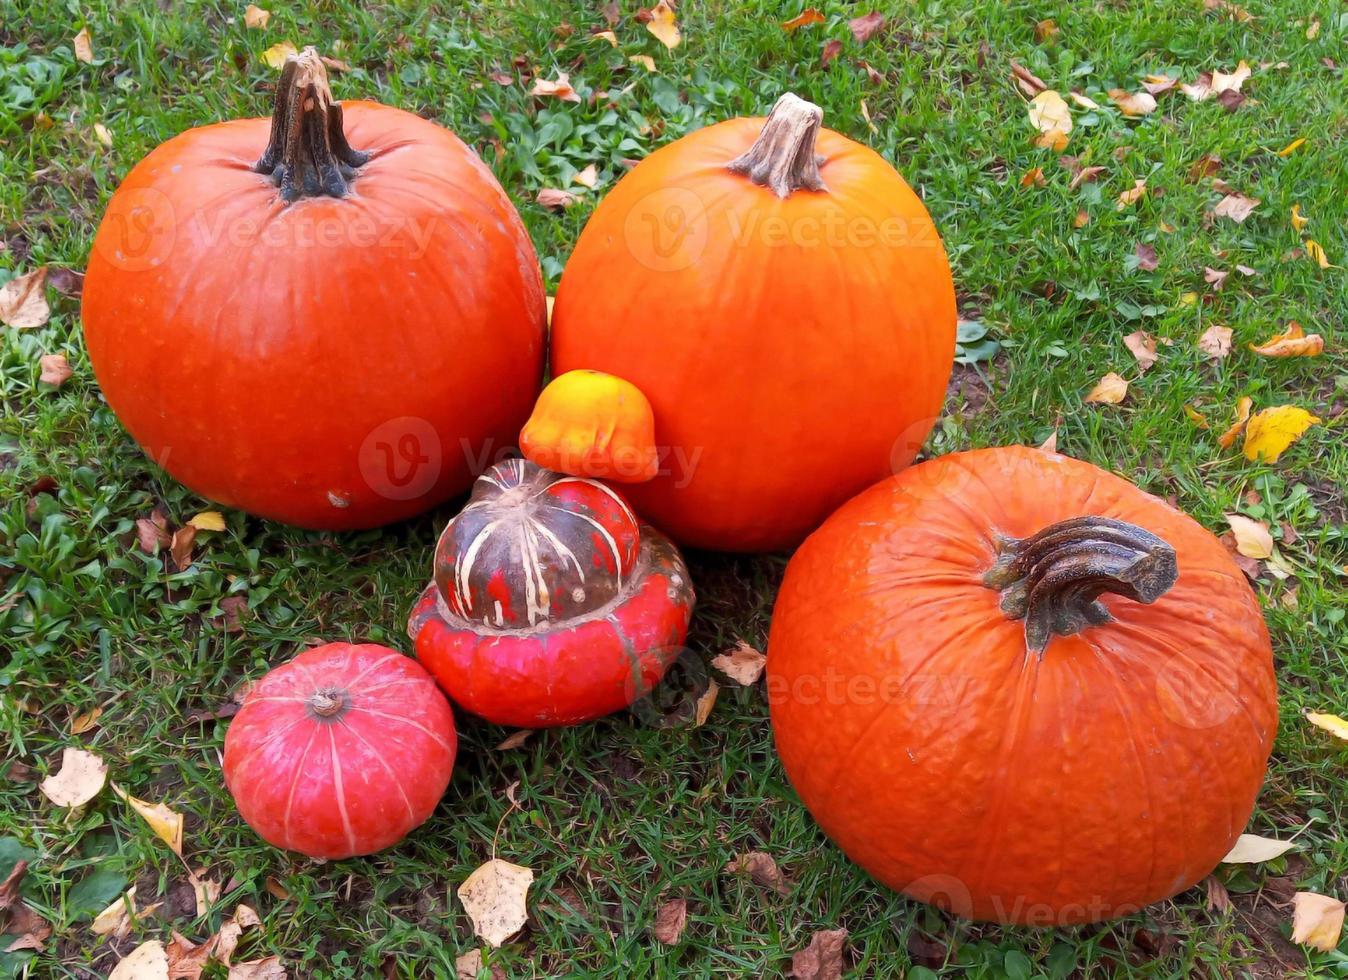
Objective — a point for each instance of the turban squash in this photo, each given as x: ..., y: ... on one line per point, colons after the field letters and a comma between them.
x: 1016, y: 686
x: 324, y: 318
x: 781, y: 296
x: 551, y: 604
x: 342, y: 751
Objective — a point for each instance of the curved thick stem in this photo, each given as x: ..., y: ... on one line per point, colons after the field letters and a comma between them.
x: 307, y: 154
x: 1054, y: 579
x: 783, y: 157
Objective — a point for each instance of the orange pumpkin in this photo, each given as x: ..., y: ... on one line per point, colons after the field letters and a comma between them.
x: 782, y: 298
x: 591, y: 424
x: 332, y: 318
x: 1014, y: 685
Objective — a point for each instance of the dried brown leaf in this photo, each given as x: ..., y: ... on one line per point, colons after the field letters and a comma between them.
x: 23, y: 300
x: 823, y: 958
x: 762, y: 870
x: 866, y: 26
x: 743, y: 664
x: 670, y: 920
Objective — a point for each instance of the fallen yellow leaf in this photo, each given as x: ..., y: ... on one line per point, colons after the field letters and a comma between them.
x: 644, y: 60
x: 1253, y: 539
x: 1298, y: 221
x: 255, y: 18
x: 558, y: 89
x: 148, y: 961
x: 1049, y: 114
x: 208, y: 520
x: 1292, y: 342
x: 1271, y: 431
x: 1291, y: 147
x: 276, y: 55
x: 1109, y: 390
x: 1330, y: 723
x: 495, y: 898
x: 85, y: 720
x: 1243, y: 406
x: 1317, y: 253
x: 702, y: 710
x: 83, y: 44
x: 1317, y: 921
x: 1224, y: 82
x: 608, y: 36
x: 663, y: 25
x: 166, y: 823
x: 1133, y: 103
x: 1253, y: 849
x: 1195, y: 416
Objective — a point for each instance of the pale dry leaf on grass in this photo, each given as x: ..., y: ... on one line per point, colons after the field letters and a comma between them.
x: 1085, y: 101
x: 608, y: 36
x: 180, y: 547
x: 866, y: 115
x: 1292, y: 342
x: 705, y: 702
x: 335, y: 64
x: 23, y: 300
x: 1237, y: 207
x: 205, y: 890
x: 743, y: 664
x: 103, y: 134
x: 823, y: 958
x: 875, y: 76
x: 1045, y: 30
x: 670, y: 920
x: 1215, y: 342
x: 1218, y: 898
x: 762, y: 869
x: 23, y: 928
x: 1146, y: 256
x: 1215, y: 278
x: 1156, y: 84
x: 644, y: 60
x: 1050, y: 115
x: 1253, y: 538
x: 829, y: 51
x: 85, y: 720
x: 514, y: 740
x: 1253, y: 849
x: 558, y: 88
x: 1133, y: 103
x: 806, y: 17
x: 1142, y: 345
x: 1230, y: 9
x: 866, y: 26
x: 1208, y: 165
x: 1085, y: 174
x: 118, y: 918
x: 555, y: 198
x: 468, y: 965
x: 1230, y: 81
x: 267, y: 968
x: 148, y: 961
x: 1242, y: 417
x: 255, y: 18
x: 54, y: 369
x: 664, y: 26
x: 1081, y: 219
x: 81, y: 777
x: 1109, y: 390
x: 501, y: 78
x: 495, y: 897
x: 1050, y: 445
x: 166, y: 823
x: 587, y: 176
x: 1270, y: 431
x: 1317, y: 921
x: 1132, y: 195
x: 1331, y: 723
x: 83, y: 43
x: 276, y: 55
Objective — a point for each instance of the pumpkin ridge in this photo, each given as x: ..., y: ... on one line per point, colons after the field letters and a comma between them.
x: 339, y: 789
x: 373, y: 713
x: 295, y: 782
x: 383, y: 764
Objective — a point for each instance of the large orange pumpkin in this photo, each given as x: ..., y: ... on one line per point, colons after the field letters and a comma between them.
x: 333, y: 318
x: 782, y: 298
x: 1016, y: 686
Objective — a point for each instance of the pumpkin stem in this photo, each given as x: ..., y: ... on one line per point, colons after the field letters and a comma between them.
x: 1054, y: 579
x: 307, y: 154
x: 327, y: 704
x: 782, y: 159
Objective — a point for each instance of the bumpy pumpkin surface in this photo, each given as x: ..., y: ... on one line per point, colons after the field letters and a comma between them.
x: 781, y: 296
x: 1016, y: 686
x: 551, y: 604
x: 342, y: 751
x: 327, y: 318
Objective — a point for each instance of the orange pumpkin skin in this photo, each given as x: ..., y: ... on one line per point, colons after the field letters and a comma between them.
x: 792, y: 353
x: 331, y: 362
x: 956, y: 766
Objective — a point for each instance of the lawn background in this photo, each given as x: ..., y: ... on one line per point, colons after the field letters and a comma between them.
x: 623, y: 814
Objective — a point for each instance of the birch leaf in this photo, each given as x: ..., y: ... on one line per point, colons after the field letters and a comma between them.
x: 1317, y: 921
x: 664, y: 26
x: 1050, y: 115
x: 1253, y: 849
x: 1272, y: 430
x: 80, y: 778
x: 23, y: 300
x: 1330, y: 723
x: 166, y: 823
x: 1253, y: 539
x: 1109, y: 390
x: 495, y: 898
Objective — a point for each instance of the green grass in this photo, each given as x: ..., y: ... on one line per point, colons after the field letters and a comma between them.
x: 620, y: 815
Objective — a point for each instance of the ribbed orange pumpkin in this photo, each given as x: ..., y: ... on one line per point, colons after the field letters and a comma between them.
x: 333, y: 318
x: 1016, y: 686
x: 782, y: 298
